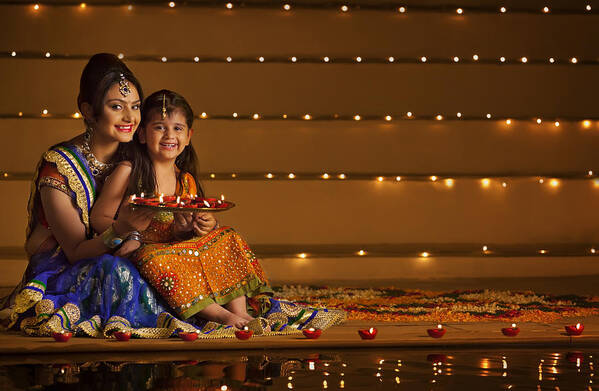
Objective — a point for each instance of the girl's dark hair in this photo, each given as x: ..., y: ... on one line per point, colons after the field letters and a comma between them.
x: 100, y: 73
x: 143, y: 177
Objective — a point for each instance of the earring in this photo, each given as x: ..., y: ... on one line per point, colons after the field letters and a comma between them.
x: 88, y: 133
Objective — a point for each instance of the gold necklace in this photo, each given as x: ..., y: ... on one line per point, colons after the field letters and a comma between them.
x: 98, y: 168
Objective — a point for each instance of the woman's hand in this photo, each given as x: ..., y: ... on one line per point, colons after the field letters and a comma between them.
x: 130, y: 219
x: 183, y: 224
x: 127, y: 248
x: 203, y: 223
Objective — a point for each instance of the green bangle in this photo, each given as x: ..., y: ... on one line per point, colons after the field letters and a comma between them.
x: 110, y: 238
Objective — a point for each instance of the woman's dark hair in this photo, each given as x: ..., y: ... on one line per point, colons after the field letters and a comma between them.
x: 143, y: 177
x: 100, y: 73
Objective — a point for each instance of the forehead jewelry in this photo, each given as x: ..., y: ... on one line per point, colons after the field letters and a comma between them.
x: 163, y: 106
x: 124, y: 88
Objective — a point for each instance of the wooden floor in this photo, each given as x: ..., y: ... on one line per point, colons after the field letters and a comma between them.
x: 406, y: 335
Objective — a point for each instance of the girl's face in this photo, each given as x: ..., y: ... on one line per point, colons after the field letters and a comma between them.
x: 166, y: 138
x: 120, y: 115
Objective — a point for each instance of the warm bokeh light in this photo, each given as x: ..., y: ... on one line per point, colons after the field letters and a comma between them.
x: 459, y: 11
x: 204, y: 115
x: 485, y: 182
x: 388, y: 118
x: 402, y: 9
x: 508, y: 121
x: 357, y: 117
x: 586, y: 123
x: 439, y: 117
x: 302, y: 255
x: 546, y: 9
x: 286, y: 7
x: 556, y: 123
x: 171, y: 4
x: 291, y: 175
x: 398, y: 178
x: 380, y: 179
x: 524, y: 60
x: 256, y: 116
x: 341, y: 176
x: 475, y: 57
x: 539, y: 121
x: 503, y: 10
x: 449, y: 182
x: 325, y: 176
x: 269, y: 175
x: 307, y: 117
x: 409, y: 114
x: 574, y: 60
x: 554, y: 183
x: 459, y: 115
x: 423, y: 59
x: 433, y: 178
x: 82, y: 5
x: 361, y: 252
x: 424, y: 254
x: 229, y: 5
x: 344, y: 8
x: 36, y: 7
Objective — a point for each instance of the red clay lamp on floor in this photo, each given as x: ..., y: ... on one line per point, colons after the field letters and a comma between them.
x: 576, y: 329
x: 312, y: 333
x: 62, y: 336
x: 244, y: 334
x: 368, y: 333
x: 437, y: 332
x: 510, y: 331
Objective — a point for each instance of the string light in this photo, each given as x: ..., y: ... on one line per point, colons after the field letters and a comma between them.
x: 439, y: 117
x: 586, y: 123
x: 164, y: 59
x: 488, y: 115
x: 503, y: 10
x: 82, y: 5
x: 459, y: 115
x: 554, y: 183
x: 229, y: 5
x: 539, y: 121
x: 344, y: 8
x: 235, y: 115
x: 556, y: 123
x: 433, y: 178
x: 355, y: 60
x: 402, y: 9
x: 172, y: 4
x: 307, y: 117
x: 286, y: 7
x: 546, y: 10
x: 203, y: 115
x: 342, y: 176
x: 291, y: 176
x: 47, y: 54
x: 588, y: 7
x: 424, y: 254
x: 36, y: 7
x: 302, y: 255
x: 121, y: 56
x: 357, y: 117
x: 325, y: 176
x: 459, y: 11
x: 388, y: 118
x: 130, y: 7
x: 380, y: 179
x: 486, y: 182
x: 409, y: 114
x: 361, y: 253
x: 398, y: 179
x: 261, y: 59
x: 256, y: 116
x: 44, y: 112
x: 449, y: 182
x: 269, y: 175
x: 508, y: 121
x: 13, y: 54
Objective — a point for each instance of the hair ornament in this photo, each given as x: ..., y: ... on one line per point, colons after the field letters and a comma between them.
x: 124, y: 88
x: 163, y: 106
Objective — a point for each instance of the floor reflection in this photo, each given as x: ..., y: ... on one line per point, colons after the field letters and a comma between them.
x: 304, y: 370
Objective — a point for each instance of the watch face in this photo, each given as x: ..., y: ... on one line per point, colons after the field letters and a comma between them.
x: 116, y: 241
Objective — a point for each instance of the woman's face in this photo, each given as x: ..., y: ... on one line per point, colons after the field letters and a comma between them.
x: 120, y: 115
x: 166, y: 138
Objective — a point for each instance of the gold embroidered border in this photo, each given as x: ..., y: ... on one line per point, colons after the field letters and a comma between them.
x: 65, y: 169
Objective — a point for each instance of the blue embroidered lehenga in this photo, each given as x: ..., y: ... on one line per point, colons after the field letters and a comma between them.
x: 97, y: 296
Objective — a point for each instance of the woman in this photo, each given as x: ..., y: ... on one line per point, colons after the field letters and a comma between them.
x: 72, y: 281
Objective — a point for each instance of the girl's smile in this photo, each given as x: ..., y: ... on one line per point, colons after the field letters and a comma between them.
x: 166, y: 138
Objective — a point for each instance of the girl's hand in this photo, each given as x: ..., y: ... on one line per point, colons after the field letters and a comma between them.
x: 203, y: 223
x: 127, y: 248
x: 183, y: 223
x: 132, y: 220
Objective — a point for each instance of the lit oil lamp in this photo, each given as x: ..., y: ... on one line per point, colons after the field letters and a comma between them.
x: 312, y: 333
x: 574, y: 329
x: 510, y: 331
x: 244, y: 334
x: 368, y: 334
x: 122, y: 335
x: 192, y: 336
x: 62, y: 336
x: 161, y: 198
x: 437, y: 332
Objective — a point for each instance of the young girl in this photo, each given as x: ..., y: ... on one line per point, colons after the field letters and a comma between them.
x: 199, y: 268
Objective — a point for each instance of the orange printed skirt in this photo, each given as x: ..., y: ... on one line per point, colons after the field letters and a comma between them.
x: 193, y: 274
